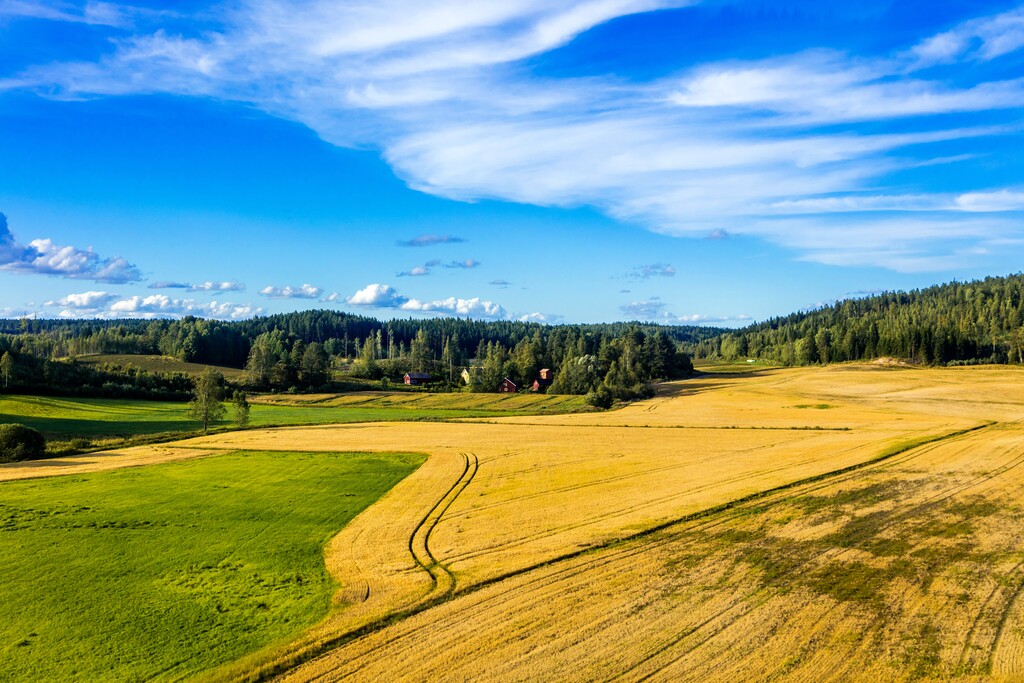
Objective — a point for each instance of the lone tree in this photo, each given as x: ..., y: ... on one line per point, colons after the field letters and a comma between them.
x: 206, y: 406
x: 6, y: 365
x: 241, y: 408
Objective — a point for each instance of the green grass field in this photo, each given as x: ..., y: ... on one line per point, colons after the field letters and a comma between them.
x: 164, y: 571
x: 67, y: 418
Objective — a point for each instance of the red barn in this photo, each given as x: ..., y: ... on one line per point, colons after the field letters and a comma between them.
x: 414, y: 378
x: 507, y: 386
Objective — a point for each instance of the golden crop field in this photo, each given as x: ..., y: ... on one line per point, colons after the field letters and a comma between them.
x: 849, y: 522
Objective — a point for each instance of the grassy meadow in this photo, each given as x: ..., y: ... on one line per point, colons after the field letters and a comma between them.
x: 167, y: 570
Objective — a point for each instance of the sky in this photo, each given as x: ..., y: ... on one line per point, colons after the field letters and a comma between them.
x: 678, y: 161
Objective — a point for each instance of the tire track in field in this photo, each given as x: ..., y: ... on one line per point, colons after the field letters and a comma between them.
x: 442, y: 580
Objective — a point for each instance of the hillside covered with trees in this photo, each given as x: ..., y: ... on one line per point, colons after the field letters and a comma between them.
x: 311, y: 349
x: 949, y: 324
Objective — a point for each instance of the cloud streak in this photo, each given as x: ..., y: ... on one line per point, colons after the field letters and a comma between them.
x: 430, y: 240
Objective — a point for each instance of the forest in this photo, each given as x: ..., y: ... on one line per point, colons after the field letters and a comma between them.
x: 958, y: 323
x: 309, y: 350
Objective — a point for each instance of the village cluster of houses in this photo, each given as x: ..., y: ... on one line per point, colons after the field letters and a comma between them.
x: 544, y: 379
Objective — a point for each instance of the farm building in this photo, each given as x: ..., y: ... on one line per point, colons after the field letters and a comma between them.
x: 415, y: 378
x: 470, y: 375
x: 507, y: 386
x: 543, y: 381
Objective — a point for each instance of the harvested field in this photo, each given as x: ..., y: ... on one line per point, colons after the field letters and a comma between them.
x: 99, y: 462
x: 908, y: 569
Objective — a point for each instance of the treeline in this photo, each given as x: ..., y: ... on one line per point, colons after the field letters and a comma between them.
x: 949, y: 324
x: 605, y: 361
x: 28, y: 374
x: 309, y: 349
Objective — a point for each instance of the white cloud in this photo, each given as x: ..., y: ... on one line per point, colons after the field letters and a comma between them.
x: 386, y: 296
x: 43, y: 257
x: 475, y: 307
x: 978, y: 39
x: 159, y: 305
x: 96, y: 304
x: 85, y: 300
x: 378, y: 296
x: 217, y: 287
x: 305, y: 291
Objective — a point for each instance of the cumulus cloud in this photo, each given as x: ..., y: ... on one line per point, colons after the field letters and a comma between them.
x: 85, y: 300
x: 430, y: 240
x: 475, y: 307
x: 305, y: 291
x: 539, y: 318
x: 98, y: 304
x: 385, y: 296
x: 42, y: 256
x: 377, y: 296
x: 716, y: 147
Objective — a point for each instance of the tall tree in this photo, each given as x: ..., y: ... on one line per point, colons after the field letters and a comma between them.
x: 206, y: 406
x: 6, y: 366
x: 241, y: 402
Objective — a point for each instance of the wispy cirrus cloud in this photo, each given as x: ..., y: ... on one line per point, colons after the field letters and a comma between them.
x: 208, y: 286
x: 430, y: 240
x: 43, y: 257
x: 708, y: 152
x: 425, y: 269
x: 647, y: 271
x: 657, y: 310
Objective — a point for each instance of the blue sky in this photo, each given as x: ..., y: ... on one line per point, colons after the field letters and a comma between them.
x: 712, y: 162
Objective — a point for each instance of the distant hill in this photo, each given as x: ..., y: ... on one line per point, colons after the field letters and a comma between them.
x: 949, y: 324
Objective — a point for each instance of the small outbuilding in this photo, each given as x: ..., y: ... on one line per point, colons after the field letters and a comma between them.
x: 416, y: 378
x: 543, y: 381
x: 471, y: 375
x: 507, y: 386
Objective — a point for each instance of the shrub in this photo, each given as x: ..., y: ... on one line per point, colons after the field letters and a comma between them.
x: 18, y: 442
x: 600, y: 398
